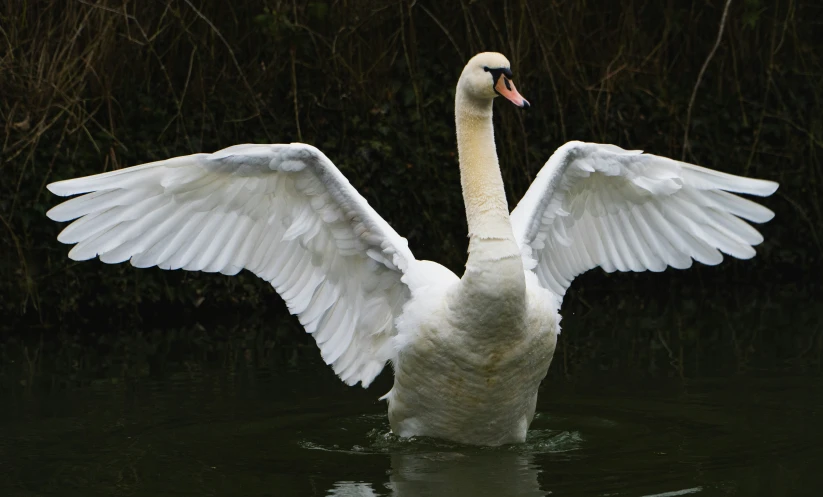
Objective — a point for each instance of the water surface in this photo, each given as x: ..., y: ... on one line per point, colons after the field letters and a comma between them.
x: 304, y: 433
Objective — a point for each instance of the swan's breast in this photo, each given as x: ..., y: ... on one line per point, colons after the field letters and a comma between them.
x: 457, y: 381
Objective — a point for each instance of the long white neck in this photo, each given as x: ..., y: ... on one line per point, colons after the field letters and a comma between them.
x: 491, y: 294
x: 487, y: 211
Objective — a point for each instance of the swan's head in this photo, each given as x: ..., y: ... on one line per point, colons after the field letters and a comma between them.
x: 488, y: 75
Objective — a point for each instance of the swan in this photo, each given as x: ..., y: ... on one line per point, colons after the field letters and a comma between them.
x: 470, y: 352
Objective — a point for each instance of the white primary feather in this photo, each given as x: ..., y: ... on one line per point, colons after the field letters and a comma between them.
x: 284, y: 212
x: 599, y: 205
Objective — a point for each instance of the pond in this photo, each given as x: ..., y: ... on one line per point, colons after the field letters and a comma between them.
x: 301, y: 432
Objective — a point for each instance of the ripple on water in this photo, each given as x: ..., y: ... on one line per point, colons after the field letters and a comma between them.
x: 371, y: 434
x: 709, y: 438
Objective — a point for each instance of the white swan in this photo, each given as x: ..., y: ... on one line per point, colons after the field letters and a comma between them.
x: 468, y: 353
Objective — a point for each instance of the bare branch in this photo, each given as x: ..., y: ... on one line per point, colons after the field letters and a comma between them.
x: 700, y: 78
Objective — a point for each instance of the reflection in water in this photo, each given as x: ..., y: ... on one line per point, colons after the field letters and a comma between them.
x: 430, y: 467
x: 296, y: 435
x: 487, y: 473
x: 472, y: 473
x: 352, y: 489
x: 464, y: 473
x: 454, y: 474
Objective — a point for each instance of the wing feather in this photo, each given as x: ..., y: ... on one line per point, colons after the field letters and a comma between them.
x: 284, y: 212
x: 599, y: 205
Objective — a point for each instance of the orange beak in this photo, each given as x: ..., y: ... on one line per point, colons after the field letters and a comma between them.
x: 505, y: 87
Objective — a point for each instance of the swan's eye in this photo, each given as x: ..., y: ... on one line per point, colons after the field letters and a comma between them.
x: 499, y: 72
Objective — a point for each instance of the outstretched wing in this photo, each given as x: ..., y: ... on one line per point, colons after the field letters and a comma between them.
x: 284, y: 212
x: 599, y: 205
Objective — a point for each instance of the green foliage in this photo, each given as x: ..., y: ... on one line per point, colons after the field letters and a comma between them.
x: 93, y: 86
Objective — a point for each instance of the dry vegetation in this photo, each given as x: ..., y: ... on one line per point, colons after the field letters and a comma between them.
x: 92, y: 85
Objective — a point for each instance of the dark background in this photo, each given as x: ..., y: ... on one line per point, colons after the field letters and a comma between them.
x: 90, y: 86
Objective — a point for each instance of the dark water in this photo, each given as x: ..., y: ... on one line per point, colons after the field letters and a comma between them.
x: 300, y: 433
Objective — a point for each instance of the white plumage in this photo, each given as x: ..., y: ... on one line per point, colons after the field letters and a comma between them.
x: 599, y: 205
x: 284, y: 212
x: 468, y: 353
